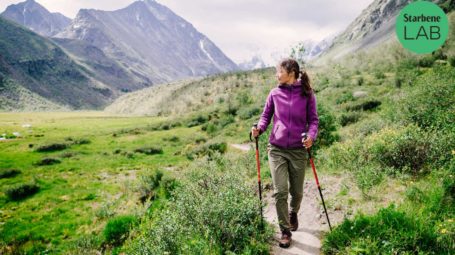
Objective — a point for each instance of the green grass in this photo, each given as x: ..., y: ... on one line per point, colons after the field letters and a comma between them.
x: 89, y: 176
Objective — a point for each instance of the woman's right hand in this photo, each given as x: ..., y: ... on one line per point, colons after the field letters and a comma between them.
x: 255, y: 132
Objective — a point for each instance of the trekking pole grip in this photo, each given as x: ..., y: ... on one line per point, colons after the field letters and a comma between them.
x: 305, y: 136
x: 255, y: 125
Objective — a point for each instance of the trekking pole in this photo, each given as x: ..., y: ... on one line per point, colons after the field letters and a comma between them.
x: 304, y: 135
x: 255, y: 125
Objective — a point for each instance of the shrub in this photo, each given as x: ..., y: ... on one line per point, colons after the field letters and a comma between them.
x: 118, y: 228
x: 345, y: 97
x: 431, y: 104
x: 406, y: 150
x: 248, y: 112
x: 149, y: 150
x: 393, y: 151
x: 226, y: 121
x: 199, y: 120
x: 349, y: 118
x: 214, y: 212
x: 210, y: 128
x: 360, y: 81
x: 155, y: 184
x: 370, y: 125
x: 426, y: 61
x: 168, y: 185
x: 172, y: 139
x: 379, y: 75
x: 52, y: 147
x: 452, y: 61
x: 365, y: 106
x: 326, y: 130
x: 77, y: 141
x: 388, y: 232
x: 48, y: 162
x: 86, y: 244
x: 207, y: 149
x: 81, y: 141
x: 21, y: 191
x: 7, y: 173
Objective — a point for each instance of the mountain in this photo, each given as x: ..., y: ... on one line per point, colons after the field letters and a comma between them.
x: 32, y: 66
x: 375, y: 25
x: 100, y: 66
x: 314, y: 49
x: 150, y: 41
x: 34, y: 16
x: 255, y: 62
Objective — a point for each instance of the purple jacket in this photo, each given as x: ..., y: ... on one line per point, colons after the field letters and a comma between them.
x: 293, y: 115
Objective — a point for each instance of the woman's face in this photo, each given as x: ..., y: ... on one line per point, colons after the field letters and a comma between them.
x: 284, y: 77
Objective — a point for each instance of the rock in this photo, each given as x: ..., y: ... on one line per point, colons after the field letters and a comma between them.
x: 358, y: 94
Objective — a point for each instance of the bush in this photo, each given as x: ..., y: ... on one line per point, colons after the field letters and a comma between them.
x: 349, y: 118
x: 223, y: 122
x: 48, y: 162
x: 345, y: 97
x: 52, y: 147
x: 431, y: 104
x: 327, y: 129
x: 392, y: 151
x: 365, y: 106
x: 248, y: 112
x: 452, y: 61
x: 388, y: 232
x: 207, y: 149
x: 148, y: 185
x: 118, y: 228
x: 405, y: 151
x: 21, y: 191
x: 213, y: 212
x: 426, y: 61
x: 78, y: 141
x: 173, y: 139
x: 86, y: 244
x: 7, y: 173
x: 149, y: 150
x: 199, y: 120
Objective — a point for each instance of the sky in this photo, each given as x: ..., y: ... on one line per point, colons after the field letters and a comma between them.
x: 243, y: 28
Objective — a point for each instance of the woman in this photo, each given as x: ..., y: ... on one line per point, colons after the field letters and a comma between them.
x: 293, y: 105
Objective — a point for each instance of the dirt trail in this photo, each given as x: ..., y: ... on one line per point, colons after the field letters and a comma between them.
x: 312, y: 219
x: 312, y: 223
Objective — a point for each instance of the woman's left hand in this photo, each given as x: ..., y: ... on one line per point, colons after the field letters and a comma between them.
x: 308, y: 142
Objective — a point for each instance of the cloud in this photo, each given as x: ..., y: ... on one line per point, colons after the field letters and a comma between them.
x: 243, y: 28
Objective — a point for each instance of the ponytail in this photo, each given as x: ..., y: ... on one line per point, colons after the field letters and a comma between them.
x: 306, y: 86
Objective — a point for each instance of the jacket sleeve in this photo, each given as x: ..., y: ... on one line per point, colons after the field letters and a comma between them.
x: 312, y: 117
x: 267, y: 114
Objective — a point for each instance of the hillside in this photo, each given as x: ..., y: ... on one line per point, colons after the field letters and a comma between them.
x: 37, y: 65
x: 373, y: 27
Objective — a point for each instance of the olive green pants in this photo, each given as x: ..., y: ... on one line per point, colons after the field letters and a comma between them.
x: 287, y: 167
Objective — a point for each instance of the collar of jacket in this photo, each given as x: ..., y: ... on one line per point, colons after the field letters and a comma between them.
x: 297, y: 83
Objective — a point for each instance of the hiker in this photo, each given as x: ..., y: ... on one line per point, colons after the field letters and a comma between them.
x: 293, y: 105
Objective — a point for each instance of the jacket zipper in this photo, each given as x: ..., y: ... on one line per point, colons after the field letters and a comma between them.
x: 290, y: 123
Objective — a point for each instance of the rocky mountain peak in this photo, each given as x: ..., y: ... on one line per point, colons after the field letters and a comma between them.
x: 37, y: 18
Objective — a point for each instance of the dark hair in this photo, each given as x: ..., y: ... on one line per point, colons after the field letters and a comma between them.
x: 290, y: 65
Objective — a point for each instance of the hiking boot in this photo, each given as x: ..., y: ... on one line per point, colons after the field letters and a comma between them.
x: 285, y: 240
x: 294, y: 221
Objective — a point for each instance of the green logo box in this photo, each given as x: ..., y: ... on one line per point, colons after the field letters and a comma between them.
x: 422, y: 27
